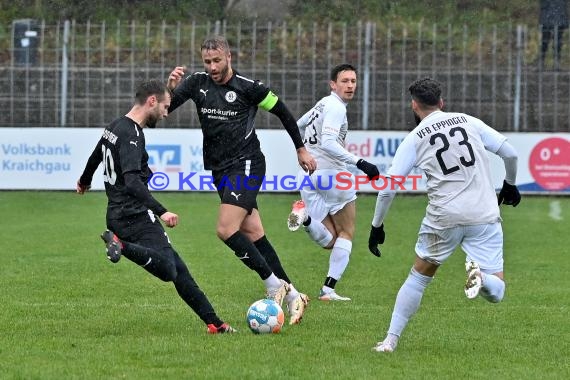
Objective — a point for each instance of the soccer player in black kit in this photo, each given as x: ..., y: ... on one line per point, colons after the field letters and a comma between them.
x: 136, y: 233
x: 227, y: 103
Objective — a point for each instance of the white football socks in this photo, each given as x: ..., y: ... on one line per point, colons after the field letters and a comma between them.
x: 340, y: 255
x: 408, y: 301
x: 272, y: 282
x: 492, y: 288
x: 292, y: 294
x: 319, y: 233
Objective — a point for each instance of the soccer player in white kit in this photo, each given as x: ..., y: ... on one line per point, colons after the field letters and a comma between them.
x: 462, y: 210
x: 327, y: 212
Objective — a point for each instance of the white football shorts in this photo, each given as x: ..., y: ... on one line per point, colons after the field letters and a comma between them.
x: 326, y: 195
x: 482, y: 243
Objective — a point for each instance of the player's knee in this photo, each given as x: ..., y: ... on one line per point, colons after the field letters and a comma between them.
x: 167, y: 271
x: 327, y: 242
x: 224, y: 233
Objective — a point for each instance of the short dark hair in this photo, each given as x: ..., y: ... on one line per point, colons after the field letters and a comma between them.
x: 149, y: 88
x: 215, y: 42
x: 340, y: 68
x: 426, y: 91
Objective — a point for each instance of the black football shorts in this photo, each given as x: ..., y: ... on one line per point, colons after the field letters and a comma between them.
x: 239, y: 184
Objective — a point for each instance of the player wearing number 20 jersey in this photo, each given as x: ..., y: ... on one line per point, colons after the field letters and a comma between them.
x: 134, y: 230
x: 122, y: 150
x: 450, y: 148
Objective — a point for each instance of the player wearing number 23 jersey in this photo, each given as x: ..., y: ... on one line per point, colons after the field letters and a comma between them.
x: 451, y: 149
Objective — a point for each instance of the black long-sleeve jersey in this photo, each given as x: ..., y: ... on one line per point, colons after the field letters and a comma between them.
x: 227, y: 116
x: 122, y: 150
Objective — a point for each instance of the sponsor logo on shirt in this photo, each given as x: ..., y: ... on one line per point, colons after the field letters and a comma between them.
x: 216, y: 113
x: 231, y: 96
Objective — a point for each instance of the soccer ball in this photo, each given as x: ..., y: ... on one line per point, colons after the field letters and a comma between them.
x: 265, y: 316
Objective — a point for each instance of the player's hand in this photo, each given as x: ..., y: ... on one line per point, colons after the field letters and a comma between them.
x: 369, y: 169
x: 306, y: 161
x: 169, y: 218
x: 509, y: 195
x: 175, y: 77
x: 81, y: 189
x: 377, y: 236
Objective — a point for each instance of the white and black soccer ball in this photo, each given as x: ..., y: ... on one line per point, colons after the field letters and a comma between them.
x: 265, y: 316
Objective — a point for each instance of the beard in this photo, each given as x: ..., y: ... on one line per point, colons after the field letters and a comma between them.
x: 151, y: 121
x: 222, y: 74
x: 417, y: 118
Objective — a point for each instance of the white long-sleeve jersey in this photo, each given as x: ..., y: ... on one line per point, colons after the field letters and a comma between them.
x: 325, y: 126
x: 450, y: 148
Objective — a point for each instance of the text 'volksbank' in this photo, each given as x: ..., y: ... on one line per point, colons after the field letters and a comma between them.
x: 26, y: 157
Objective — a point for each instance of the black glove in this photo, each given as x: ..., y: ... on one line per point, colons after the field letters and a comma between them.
x: 377, y: 236
x: 370, y: 169
x: 509, y: 195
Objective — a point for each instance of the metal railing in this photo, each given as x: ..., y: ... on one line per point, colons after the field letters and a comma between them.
x: 83, y: 75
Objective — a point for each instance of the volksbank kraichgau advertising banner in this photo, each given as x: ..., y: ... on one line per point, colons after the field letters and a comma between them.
x: 53, y: 159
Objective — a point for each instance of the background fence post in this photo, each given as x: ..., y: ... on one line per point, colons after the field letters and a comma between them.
x: 517, y: 102
x: 366, y: 75
x: 64, y: 74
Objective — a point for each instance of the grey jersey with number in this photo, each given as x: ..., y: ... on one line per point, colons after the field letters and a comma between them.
x: 451, y: 149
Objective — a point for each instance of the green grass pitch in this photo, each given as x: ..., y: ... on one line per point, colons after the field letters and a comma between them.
x: 68, y: 313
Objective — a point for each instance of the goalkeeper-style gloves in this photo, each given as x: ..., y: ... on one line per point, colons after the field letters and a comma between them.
x: 369, y: 169
x: 509, y: 195
x: 377, y: 236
